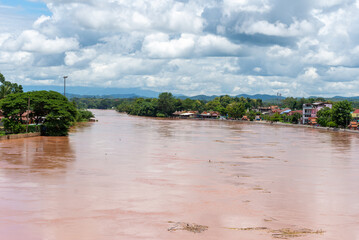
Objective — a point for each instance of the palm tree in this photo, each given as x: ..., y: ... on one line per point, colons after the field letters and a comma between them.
x: 7, y: 87
x: 4, y: 90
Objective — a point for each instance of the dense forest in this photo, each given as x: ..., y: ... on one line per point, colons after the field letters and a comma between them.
x: 48, y: 111
x: 232, y: 107
x: 149, y: 106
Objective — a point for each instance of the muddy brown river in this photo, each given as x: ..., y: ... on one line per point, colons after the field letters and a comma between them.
x: 140, y: 178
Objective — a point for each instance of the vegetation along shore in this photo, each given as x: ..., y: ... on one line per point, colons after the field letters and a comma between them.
x: 47, y: 112
x: 53, y: 114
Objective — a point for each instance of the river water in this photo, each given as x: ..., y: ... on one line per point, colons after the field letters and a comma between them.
x: 129, y: 177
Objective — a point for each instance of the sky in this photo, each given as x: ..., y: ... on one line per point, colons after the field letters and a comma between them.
x: 297, y: 48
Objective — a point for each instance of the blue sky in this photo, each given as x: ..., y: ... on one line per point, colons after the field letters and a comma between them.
x: 298, y: 48
x: 35, y: 8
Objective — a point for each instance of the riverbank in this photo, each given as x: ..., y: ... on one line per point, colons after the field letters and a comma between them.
x: 280, y: 124
x: 261, y: 122
x: 18, y: 136
x: 302, y: 126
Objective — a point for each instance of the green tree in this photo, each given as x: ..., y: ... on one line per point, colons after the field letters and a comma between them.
x: 58, y: 112
x: 324, y: 116
x: 259, y: 103
x: 341, y: 113
x: 166, y: 103
x: 179, y: 105
x: 198, y: 106
x: 295, y: 118
x: 4, y: 91
x: 251, y: 115
x: 188, y: 104
x: 7, y: 87
x: 13, y: 107
x: 147, y: 108
x: 84, y: 115
x: 215, y: 105
x: 290, y: 102
x: 276, y: 117
x: 236, y: 110
x: 225, y: 100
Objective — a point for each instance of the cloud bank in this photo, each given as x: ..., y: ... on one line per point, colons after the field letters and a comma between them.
x: 299, y: 48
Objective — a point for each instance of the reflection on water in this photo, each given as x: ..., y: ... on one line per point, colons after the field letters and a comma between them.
x: 37, y: 153
x: 127, y: 177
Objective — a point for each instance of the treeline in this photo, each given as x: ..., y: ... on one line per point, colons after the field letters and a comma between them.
x: 54, y: 112
x: 285, y: 118
x: 95, y: 103
x: 7, y: 87
x: 297, y: 103
x: 338, y: 116
x: 166, y: 104
x: 48, y: 109
x: 218, y: 104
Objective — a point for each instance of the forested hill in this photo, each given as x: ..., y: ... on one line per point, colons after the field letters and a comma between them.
x: 121, y: 93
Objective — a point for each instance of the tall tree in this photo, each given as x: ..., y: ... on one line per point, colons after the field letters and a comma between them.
x: 341, y: 113
x: 166, y: 103
x: 236, y: 110
x: 7, y: 87
x: 58, y: 112
x: 324, y: 116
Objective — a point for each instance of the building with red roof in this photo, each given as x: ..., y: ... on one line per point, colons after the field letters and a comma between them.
x: 355, y: 114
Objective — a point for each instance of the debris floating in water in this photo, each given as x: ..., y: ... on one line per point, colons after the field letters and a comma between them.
x: 191, y: 227
x: 284, y: 233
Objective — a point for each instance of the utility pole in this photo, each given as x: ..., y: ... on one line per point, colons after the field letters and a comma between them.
x: 278, y: 97
x: 28, y: 113
x: 65, y: 85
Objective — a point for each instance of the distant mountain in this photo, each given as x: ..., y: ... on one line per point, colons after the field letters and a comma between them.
x: 96, y: 91
x: 70, y: 95
x: 264, y: 97
x: 339, y: 98
x: 100, y: 92
x: 203, y: 97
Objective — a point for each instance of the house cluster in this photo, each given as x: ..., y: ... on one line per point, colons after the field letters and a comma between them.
x: 196, y: 114
x: 354, y: 123
x: 24, y: 117
x: 310, y: 111
x: 275, y: 109
x: 355, y: 115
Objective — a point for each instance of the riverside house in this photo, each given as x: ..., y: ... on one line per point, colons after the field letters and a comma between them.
x: 310, y: 110
x: 1, y: 117
x: 355, y: 115
x: 268, y: 110
x: 296, y: 111
x: 211, y: 114
x: 185, y: 114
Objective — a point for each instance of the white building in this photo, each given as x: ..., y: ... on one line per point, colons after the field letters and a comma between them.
x: 310, y: 110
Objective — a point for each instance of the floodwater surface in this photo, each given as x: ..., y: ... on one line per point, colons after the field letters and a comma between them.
x: 141, y: 178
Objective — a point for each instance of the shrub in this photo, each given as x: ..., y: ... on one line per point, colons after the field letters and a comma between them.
x: 160, y: 115
x: 332, y: 124
x: 33, y: 128
x: 84, y: 115
x: 13, y: 127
